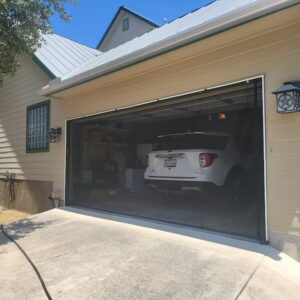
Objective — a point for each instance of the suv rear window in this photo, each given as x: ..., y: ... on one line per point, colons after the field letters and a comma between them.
x: 191, y: 141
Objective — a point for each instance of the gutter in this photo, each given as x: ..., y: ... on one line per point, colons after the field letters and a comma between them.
x: 217, y: 25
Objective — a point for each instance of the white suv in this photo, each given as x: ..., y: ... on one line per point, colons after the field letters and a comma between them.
x: 194, y: 161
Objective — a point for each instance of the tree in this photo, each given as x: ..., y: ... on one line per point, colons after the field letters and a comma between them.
x: 22, y: 25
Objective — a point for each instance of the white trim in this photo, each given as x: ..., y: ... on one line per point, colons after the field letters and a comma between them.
x: 137, y: 105
x: 183, y: 94
x: 91, y: 115
x: 65, y: 162
x: 265, y: 156
x: 262, y: 77
x: 234, y: 82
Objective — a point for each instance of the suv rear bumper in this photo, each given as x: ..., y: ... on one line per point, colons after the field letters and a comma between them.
x: 172, y: 185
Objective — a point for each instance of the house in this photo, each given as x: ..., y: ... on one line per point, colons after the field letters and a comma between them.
x: 125, y: 26
x: 212, y: 71
x: 35, y: 180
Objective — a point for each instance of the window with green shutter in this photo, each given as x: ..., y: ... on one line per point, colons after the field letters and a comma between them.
x: 38, y: 123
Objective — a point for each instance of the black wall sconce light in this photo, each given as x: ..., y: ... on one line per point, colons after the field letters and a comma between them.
x: 288, y: 97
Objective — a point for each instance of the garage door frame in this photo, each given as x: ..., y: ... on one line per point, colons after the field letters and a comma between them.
x: 262, y: 77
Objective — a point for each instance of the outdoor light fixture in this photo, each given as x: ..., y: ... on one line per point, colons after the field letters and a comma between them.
x: 54, y: 135
x: 288, y: 97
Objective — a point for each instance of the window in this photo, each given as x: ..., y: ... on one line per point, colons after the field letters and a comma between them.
x: 125, y: 24
x: 38, y: 119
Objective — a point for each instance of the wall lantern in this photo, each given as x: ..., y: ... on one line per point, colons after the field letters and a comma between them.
x: 288, y: 97
x: 54, y: 135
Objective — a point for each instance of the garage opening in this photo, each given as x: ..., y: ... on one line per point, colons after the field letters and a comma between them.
x: 195, y: 159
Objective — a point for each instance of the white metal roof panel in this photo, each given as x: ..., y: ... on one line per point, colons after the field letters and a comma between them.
x: 61, y: 55
x: 194, y: 19
x: 211, y: 19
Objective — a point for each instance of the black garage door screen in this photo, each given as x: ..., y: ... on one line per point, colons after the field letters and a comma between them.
x: 195, y: 159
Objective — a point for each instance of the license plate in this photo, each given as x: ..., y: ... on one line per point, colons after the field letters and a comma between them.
x: 170, y: 163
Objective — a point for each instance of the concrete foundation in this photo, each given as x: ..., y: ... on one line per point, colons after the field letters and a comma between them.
x: 26, y: 195
x: 287, y: 243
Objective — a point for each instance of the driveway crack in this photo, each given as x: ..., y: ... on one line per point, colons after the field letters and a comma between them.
x: 251, y: 276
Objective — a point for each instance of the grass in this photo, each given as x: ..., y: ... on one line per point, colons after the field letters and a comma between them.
x: 11, y: 215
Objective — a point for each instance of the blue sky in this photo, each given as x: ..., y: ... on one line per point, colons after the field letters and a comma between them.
x: 90, y: 18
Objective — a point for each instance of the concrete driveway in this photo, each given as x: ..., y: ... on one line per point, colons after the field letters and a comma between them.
x: 86, y: 255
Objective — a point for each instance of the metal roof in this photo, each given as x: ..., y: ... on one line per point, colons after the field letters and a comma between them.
x: 61, y: 55
x: 211, y: 19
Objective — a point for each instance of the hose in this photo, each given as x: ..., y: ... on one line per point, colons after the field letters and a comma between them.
x: 31, y: 263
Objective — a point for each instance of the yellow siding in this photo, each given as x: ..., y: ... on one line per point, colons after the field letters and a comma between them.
x: 15, y: 95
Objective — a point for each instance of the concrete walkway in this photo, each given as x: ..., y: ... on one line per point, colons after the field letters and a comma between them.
x: 86, y: 255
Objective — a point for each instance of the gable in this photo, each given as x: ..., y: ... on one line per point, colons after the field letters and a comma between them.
x: 59, y: 55
x: 117, y: 35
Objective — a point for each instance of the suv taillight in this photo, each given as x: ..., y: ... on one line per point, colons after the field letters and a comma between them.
x: 206, y: 159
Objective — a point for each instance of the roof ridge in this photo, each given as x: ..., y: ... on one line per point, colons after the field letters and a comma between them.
x: 72, y: 40
x: 139, y: 14
x: 60, y: 55
x: 190, y: 12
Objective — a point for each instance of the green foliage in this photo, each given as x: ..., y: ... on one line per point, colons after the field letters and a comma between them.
x: 22, y: 25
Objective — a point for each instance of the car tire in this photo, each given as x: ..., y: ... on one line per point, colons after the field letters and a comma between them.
x: 234, y: 188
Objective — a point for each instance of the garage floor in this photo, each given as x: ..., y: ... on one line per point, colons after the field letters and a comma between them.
x: 97, y: 257
x: 213, y: 213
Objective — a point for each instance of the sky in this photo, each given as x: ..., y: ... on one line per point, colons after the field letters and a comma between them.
x: 90, y: 18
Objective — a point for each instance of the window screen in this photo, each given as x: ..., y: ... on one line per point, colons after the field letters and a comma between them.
x: 125, y: 24
x: 191, y: 141
x: 38, y: 116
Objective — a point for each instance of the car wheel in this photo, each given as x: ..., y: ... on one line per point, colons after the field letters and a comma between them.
x: 234, y: 188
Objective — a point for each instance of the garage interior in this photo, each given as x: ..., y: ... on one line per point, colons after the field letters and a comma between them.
x: 108, y: 156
